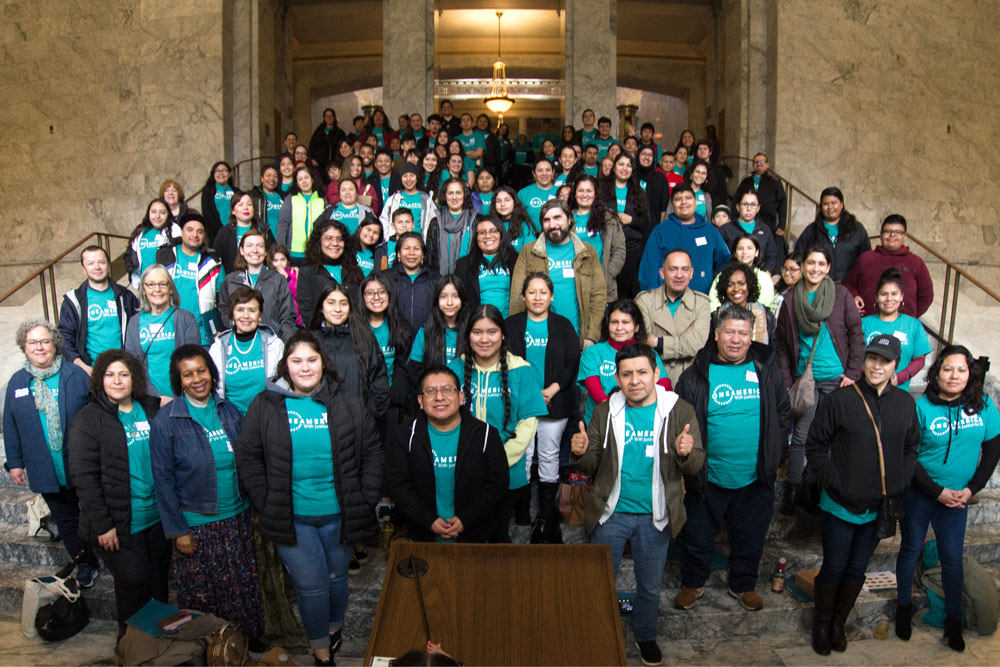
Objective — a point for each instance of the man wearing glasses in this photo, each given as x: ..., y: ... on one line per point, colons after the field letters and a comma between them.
x: 770, y: 195
x: 862, y: 281
x: 749, y: 222
x: 446, y: 471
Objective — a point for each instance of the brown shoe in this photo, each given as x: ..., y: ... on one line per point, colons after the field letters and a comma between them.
x: 750, y: 600
x: 686, y: 598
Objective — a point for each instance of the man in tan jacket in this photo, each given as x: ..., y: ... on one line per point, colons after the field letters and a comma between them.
x: 677, y: 318
x: 575, y: 270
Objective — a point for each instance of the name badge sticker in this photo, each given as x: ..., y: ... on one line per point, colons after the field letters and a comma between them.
x: 700, y: 241
x: 752, y: 376
x: 650, y: 451
x: 192, y: 266
x: 569, y: 273
x: 142, y: 426
x: 21, y: 393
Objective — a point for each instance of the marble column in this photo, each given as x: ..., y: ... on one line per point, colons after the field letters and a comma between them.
x: 407, y: 57
x: 591, y: 60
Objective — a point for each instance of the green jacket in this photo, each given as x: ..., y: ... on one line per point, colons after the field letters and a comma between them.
x: 602, y: 460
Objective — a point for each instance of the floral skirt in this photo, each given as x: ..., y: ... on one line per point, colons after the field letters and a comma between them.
x: 220, y: 577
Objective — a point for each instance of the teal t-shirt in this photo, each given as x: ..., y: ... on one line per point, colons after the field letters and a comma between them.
x: 673, y: 305
x: 747, y: 227
x: 186, y: 280
x: 390, y: 253
x: 525, y: 237
x: 223, y: 193
x: 383, y: 182
x: 638, y: 455
x: 621, y: 198
x: 245, y: 374
x: 563, y: 277
x: 335, y: 271
x: 599, y: 361
x: 57, y: 456
x: 240, y: 231
x: 377, y: 131
x: 313, y: 490
x: 104, y: 331
x: 591, y: 171
x: 826, y: 363
x: 156, y: 338
x: 366, y: 261
x: 536, y: 339
x: 832, y: 231
x: 828, y: 504
x: 733, y: 439
x: 145, y: 511
x: 450, y: 346
x: 756, y: 182
x: 494, y: 286
x: 444, y: 446
x: 593, y: 238
x: 700, y: 207
x: 470, y: 142
x: 487, y: 199
x: 415, y: 205
x: 485, y: 398
x: 913, y: 341
x: 388, y: 351
x: 149, y: 243
x: 602, y: 145
x: 951, y: 440
x: 533, y: 197
x: 274, y: 202
x: 350, y: 217
x: 229, y: 501
x: 587, y: 136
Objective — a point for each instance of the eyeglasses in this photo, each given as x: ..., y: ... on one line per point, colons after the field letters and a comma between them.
x: 788, y: 269
x: 759, y: 162
x: 447, y: 392
x: 373, y: 294
x: 894, y: 232
x: 221, y: 170
x: 42, y: 342
x: 488, y: 232
x: 748, y: 204
x: 156, y: 285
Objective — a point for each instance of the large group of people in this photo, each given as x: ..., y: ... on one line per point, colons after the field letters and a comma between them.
x: 433, y: 322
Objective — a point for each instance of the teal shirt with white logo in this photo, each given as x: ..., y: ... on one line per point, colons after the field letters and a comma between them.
x: 470, y: 142
x: 57, y: 456
x: 494, y: 286
x: 149, y: 243
x: 229, y: 501
x: 444, y: 447
x: 104, y: 331
x: 593, y: 238
x: 245, y: 375
x: 638, y: 454
x: 388, y: 351
x: 563, y: 277
x: 536, y: 339
x: 826, y: 362
x: 350, y: 217
x: 145, y: 511
x: 621, y: 198
x: 274, y: 202
x: 156, y: 338
x: 533, y: 197
x: 700, y: 208
x: 951, y: 440
x: 525, y: 237
x: 525, y: 401
x: 733, y: 438
x: 223, y: 193
x: 366, y: 261
x: 450, y: 345
x: 313, y: 490
x: 913, y: 341
x: 414, y: 203
x: 602, y: 145
x: 186, y: 280
x: 598, y: 360
x: 487, y: 199
x: 383, y: 182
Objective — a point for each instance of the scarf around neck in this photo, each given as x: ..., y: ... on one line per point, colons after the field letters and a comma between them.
x: 810, y: 316
x: 45, y: 400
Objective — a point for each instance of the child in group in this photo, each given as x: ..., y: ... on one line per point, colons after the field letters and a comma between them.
x: 385, y: 253
x: 720, y: 216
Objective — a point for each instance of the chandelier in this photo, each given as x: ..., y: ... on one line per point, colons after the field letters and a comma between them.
x: 498, y: 101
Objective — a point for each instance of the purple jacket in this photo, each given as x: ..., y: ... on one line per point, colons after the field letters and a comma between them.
x: 844, y: 325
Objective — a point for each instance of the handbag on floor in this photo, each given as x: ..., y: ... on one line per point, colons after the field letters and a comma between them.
x: 63, y: 616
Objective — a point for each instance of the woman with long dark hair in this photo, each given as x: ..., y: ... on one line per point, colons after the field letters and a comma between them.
x: 599, y: 227
x: 325, y: 139
x: 449, y: 235
x: 889, y: 319
x: 300, y: 210
x: 330, y: 259
x: 412, y: 281
x: 215, y: 196
x: 503, y: 391
x: 157, y: 228
x: 958, y: 452
x: 837, y: 230
x: 623, y: 195
x: 736, y: 286
x: 430, y: 171
x: 367, y: 238
x: 241, y: 219
x: 486, y: 270
x: 436, y: 342
x: 378, y: 126
x: 518, y: 225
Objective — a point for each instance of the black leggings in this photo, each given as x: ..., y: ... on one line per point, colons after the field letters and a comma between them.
x: 140, y: 571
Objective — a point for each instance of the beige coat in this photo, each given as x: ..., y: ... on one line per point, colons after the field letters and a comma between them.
x: 683, y: 334
x: 591, y: 289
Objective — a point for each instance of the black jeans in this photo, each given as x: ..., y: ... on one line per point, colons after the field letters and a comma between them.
x: 747, y: 513
x: 140, y: 571
x: 65, y: 509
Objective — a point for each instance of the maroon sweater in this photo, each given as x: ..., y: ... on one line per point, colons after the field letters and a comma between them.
x: 918, y: 290
x: 844, y: 325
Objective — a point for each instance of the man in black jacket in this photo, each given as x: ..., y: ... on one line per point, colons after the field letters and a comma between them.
x: 447, y: 473
x: 737, y: 390
x: 93, y: 316
x: 771, y: 194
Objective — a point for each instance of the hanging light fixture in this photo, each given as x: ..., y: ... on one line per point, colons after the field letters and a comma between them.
x: 498, y: 101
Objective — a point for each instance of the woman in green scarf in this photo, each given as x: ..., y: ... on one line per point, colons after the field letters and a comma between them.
x: 816, y: 319
x: 42, y: 399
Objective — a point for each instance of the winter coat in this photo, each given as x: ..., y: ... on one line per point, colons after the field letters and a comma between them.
x: 264, y: 462
x: 770, y: 259
x: 170, y: 233
x: 562, y: 358
x: 700, y: 239
x: 770, y: 195
x: 373, y: 388
x: 682, y: 334
x: 428, y: 213
x: 413, y: 297
x: 323, y: 146
x: 226, y: 245
x: 849, y: 247
x: 278, y: 312
x: 918, y: 289
x: 73, y: 326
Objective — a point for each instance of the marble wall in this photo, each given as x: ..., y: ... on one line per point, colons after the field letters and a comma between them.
x: 407, y: 56
x: 314, y: 80
x: 101, y: 100
x: 591, y: 52
x: 682, y: 81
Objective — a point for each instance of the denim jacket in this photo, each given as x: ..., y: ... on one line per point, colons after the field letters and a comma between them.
x: 183, y: 465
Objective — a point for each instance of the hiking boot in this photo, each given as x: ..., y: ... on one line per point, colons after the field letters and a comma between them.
x: 749, y: 599
x: 687, y: 597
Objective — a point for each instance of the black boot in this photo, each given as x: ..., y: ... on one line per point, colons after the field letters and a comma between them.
x: 522, y: 506
x: 548, y: 510
x: 825, y: 597
x: 953, y: 634
x: 904, y: 619
x: 790, y: 498
x: 847, y: 595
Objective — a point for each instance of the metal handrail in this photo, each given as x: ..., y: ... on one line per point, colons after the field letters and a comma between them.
x: 947, y: 320
x: 236, y: 172
x: 48, y: 269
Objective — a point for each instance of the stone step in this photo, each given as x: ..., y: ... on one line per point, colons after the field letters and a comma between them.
x: 13, y: 508
x: 16, y: 547
x: 100, y: 598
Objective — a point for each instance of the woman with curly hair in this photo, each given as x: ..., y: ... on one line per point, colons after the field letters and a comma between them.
x: 736, y: 286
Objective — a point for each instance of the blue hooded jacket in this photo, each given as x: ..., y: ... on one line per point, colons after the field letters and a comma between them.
x: 700, y: 239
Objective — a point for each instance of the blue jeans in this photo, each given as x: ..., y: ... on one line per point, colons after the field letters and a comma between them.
x: 919, y: 511
x: 747, y: 514
x: 321, y: 591
x: 649, y: 554
x: 800, y: 430
x: 847, y: 549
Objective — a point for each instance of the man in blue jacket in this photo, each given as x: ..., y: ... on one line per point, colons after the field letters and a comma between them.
x: 686, y: 230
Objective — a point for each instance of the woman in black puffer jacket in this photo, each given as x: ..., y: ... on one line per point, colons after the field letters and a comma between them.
x: 310, y: 457
x: 108, y: 445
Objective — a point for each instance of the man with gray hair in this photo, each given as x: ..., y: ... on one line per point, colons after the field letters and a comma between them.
x: 737, y: 390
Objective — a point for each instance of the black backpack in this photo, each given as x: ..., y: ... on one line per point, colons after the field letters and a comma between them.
x: 61, y: 619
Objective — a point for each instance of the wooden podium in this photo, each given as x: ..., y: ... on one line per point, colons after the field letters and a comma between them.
x: 503, y: 604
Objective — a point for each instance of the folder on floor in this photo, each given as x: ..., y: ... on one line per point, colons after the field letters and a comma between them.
x: 146, y: 619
